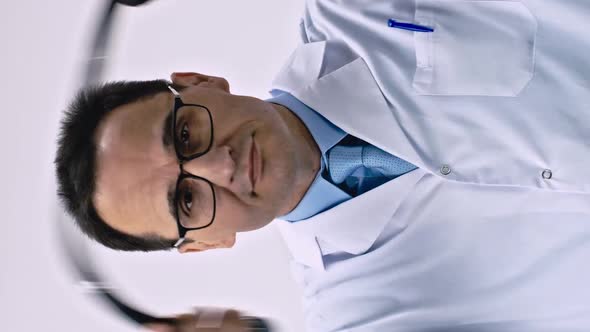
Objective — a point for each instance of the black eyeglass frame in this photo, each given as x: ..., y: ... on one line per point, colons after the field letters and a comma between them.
x: 178, y: 103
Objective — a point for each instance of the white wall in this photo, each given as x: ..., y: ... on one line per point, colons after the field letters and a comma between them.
x: 42, y: 48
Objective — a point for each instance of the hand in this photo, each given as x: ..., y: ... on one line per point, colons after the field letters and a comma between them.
x: 205, y: 320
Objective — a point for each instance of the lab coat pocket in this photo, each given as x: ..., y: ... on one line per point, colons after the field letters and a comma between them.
x: 478, y: 47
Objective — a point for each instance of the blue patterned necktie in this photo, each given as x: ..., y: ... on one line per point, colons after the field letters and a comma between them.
x: 343, y: 161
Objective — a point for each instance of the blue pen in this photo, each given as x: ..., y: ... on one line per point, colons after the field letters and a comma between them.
x: 408, y: 26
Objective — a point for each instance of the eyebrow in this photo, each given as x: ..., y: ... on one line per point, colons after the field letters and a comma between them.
x: 167, y: 131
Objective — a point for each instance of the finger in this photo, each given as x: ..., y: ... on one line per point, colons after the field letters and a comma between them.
x: 159, y: 327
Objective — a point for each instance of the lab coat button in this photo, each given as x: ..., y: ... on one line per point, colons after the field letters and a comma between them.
x: 547, y: 174
x: 445, y: 170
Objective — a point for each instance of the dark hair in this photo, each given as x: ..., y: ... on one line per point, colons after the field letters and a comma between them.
x: 76, y: 160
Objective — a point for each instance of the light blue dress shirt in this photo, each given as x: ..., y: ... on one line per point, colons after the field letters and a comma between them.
x: 323, y: 194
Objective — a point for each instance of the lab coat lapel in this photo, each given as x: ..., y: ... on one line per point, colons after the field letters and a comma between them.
x: 350, y: 98
x: 352, y: 226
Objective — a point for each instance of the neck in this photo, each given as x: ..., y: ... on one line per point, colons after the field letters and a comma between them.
x: 308, y: 161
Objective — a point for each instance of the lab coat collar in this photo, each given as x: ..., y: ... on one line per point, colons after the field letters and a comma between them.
x: 350, y: 98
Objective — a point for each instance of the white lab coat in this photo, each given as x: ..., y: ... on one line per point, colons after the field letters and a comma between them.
x: 492, y: 232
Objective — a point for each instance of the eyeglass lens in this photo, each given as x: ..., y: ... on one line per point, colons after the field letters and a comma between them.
x: 196, y: 202
x: 193, y: 131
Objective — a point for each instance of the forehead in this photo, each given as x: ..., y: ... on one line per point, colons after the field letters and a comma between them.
x: 131, y: 125
x: 134, y: 169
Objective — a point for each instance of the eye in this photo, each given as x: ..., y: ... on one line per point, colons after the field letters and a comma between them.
x: 187, y: 201
x: 185, y: 135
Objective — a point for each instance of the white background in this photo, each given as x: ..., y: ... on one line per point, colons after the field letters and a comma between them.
x: 43, y: 44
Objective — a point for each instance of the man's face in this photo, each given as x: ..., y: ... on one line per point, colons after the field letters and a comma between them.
x: 136, y: 169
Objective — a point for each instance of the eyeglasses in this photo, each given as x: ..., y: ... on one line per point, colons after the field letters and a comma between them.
x: 194, y: 197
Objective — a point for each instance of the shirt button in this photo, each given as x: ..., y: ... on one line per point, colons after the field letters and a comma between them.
x: 547, y: 174
x: 445, y: 170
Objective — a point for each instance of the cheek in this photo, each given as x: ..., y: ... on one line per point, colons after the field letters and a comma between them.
x: 231, y: 213
x: 240, y: 110
x: 279, y: 159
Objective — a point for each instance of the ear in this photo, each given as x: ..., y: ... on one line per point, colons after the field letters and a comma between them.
x: 197, y: 246
x: 187, y: 79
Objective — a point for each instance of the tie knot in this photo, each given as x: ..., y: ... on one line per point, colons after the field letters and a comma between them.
x: 343, y: 161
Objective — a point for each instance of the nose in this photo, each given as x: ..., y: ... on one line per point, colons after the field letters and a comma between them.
x: 217, y: 165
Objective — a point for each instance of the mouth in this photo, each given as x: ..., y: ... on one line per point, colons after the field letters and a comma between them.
x: 255, y: 164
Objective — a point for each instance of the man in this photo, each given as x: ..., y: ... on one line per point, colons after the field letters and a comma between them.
x: 429, y: 180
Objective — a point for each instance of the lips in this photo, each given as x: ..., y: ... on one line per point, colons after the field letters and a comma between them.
x: 254, y: 164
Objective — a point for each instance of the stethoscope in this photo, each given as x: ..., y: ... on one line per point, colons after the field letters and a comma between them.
x: 74, y: 246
